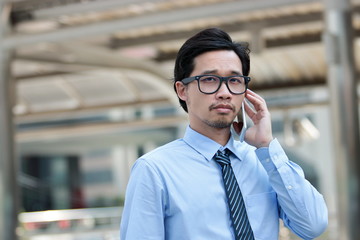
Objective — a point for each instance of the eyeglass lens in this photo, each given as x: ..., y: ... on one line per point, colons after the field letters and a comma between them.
x: 210, y: 84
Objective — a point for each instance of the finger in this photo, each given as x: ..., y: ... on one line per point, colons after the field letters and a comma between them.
x: 256, y: 100
x: 253, y: 95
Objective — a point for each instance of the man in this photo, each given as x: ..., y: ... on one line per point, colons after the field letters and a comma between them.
x: 186, y: 188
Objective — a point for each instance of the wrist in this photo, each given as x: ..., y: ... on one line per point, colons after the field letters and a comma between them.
x: 265, y: 143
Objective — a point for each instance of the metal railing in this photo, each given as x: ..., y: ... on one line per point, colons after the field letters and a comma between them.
x: 71, y: 224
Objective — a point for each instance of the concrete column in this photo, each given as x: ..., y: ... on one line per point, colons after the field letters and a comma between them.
x: 342, y: 82
x: 8, y: 166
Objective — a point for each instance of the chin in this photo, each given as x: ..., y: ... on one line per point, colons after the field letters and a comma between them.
x: 219, y: 124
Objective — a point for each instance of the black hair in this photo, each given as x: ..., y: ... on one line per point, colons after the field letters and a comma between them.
x: 210, y: 39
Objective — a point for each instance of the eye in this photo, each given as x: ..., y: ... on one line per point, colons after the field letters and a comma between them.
x: 209, y: 79
x: 236, y: 80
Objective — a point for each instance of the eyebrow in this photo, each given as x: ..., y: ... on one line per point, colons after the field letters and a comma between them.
x: 215, y: 71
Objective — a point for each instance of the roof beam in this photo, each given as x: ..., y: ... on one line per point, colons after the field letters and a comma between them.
x: 147, y: 20
x: 228, y: 27
x: 93, y: 56
x: 80, y: 8
x: 66, y: 113
x: 281, y: 41
x: 97, y: 128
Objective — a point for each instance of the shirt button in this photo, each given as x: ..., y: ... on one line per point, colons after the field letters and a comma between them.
x: 267, y: 160
x: 289, y: 187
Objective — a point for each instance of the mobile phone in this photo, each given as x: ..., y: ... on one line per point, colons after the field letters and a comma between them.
x: 241, y: 118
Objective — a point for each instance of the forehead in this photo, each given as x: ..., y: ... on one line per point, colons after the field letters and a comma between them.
x: 219, y: 61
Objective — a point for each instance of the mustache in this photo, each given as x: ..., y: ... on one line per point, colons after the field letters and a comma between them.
x: 222, y: 105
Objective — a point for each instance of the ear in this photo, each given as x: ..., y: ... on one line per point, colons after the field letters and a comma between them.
x: 181, y: 90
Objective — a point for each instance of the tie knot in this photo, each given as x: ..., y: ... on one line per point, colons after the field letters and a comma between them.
x: 223, y: 157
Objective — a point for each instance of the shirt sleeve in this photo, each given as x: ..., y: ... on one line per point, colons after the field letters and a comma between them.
x: 143, y: 213
x: 302, y: 207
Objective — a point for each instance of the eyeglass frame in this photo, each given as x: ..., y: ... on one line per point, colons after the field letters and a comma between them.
x: 222, y: 79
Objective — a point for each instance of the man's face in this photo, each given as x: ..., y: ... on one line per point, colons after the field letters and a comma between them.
x: 219, y: 109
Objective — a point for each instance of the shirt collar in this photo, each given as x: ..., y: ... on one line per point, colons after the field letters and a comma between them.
x: 208, y: 147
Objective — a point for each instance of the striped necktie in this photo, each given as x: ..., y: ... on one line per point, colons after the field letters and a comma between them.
x: 238, y: 214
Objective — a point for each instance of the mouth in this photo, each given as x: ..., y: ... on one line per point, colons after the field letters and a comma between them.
x: 222, y: 108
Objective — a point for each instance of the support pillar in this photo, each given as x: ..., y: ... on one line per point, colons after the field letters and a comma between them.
x: 8, y: 166
x: 342, y: 83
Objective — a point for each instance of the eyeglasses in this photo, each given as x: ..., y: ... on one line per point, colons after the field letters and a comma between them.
x: 210, y: 84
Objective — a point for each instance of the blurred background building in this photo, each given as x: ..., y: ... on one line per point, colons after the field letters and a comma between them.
x: 85, y: 89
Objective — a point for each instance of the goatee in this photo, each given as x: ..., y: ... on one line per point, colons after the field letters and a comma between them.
x: 218, y: 124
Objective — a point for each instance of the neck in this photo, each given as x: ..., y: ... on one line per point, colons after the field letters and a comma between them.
x: 219, y: 135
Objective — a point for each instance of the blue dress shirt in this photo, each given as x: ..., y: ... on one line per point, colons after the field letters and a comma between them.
x: 175, y: 192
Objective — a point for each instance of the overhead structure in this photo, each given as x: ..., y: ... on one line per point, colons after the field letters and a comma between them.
x: 62, y: 46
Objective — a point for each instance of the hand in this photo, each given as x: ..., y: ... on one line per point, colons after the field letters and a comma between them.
x: 260, y: 134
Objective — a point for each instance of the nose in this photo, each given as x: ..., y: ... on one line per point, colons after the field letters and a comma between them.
x: 223, y: 92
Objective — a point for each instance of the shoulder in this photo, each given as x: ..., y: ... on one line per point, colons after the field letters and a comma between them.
x: 164, y: 154
x: 160, y: 163
x: 168, y: 149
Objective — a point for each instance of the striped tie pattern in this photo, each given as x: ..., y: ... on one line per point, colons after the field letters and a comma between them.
x: 238, y: 214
